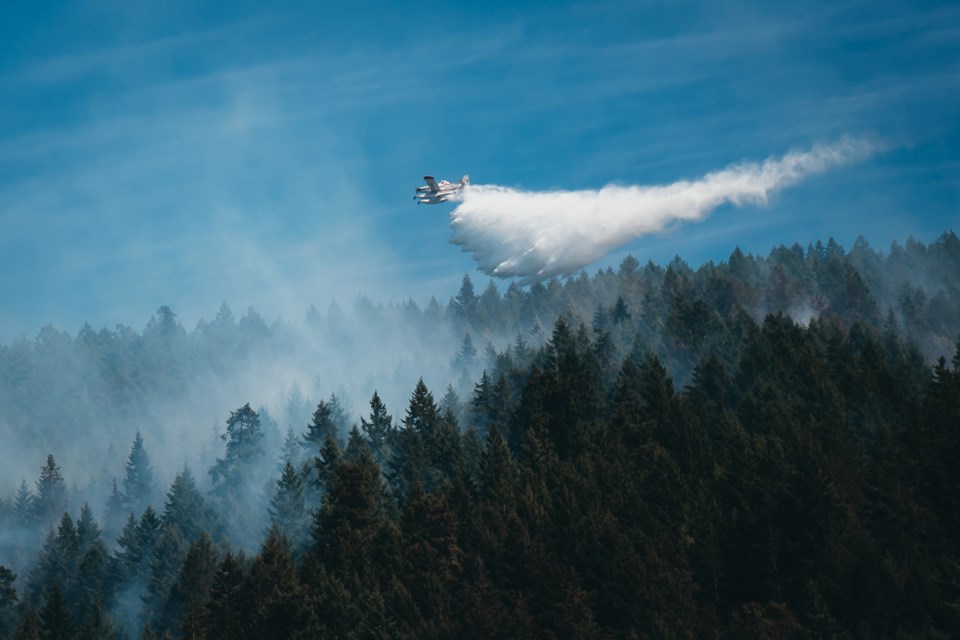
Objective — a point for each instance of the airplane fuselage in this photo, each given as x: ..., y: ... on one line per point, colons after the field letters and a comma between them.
x: 437, y: 192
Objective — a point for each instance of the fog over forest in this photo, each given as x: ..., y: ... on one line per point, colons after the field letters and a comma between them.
x: 106, y: 403
x: 84, y: 396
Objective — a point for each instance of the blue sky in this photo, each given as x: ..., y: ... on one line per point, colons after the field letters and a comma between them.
x: 265, y: 154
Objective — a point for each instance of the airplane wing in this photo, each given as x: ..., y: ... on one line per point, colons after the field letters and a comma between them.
x: 434, y: 187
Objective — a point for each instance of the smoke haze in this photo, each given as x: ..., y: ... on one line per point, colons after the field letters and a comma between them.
x: 534, y: 235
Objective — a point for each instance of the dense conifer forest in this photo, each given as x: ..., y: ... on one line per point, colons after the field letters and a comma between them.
x: 764, y: 447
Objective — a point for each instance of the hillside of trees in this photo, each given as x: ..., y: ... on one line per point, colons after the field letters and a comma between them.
x: 764, y: 447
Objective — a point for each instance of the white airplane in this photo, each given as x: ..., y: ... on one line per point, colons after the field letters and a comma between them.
x: 436, y: 192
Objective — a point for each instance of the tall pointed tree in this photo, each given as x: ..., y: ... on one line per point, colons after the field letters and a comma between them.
x: 8, y: 602
x: 320, y: 428
x: 139, y: 487
x: 379, y: 430
x: 287, y: 510
x: 51, y: 500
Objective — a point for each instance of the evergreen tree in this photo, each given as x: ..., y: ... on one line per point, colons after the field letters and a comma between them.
x: 229, y: 605
x: 149, y: 530
x: 51, y: 500
x: 88, y: 532
x: 244, y: 440
x: 165, y: 564
x: 287, y: 511
x: 291, y: 450
x: 338, y: 416
x: 319, y: 429
x: 465, y: 304
x: 8, y: 602
x: 138, y: 483
x: 186, y: 510
x: 29, y: 627
x: 115, y: 510
x: 280, y: 610
x: 183, y: 609
x: 55, y: 620
x: 24, y: 507
x: 379, y: 430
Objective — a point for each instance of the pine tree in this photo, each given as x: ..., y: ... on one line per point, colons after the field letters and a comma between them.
x: 24, y: 507
x: 244, y: 440
x: 86, y: 598
x: 287, y: 510
x: 51, y: 500
x: 338, y: 416
x: 88, y: 531
x: 170, y: 551
x: 126, y: 557
x: 149, y: 530
x: 280, y: 609
x: 186, y: 509
x: 229, y: 605
x: 620, y: 312
x: 8, y: 602
x: 319, y: 429
x: 379, y: 430
x: 451, y: 407
x: 465, y: 304
x: 115, y: 510
x: 291, y: 451
x: 29, y: 626
x: 138, y: 483
x: 183, y: 609
x: 466, y: 356
x: 55, y: 620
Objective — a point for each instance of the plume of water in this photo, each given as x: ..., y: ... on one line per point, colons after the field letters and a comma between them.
x: 538, y: 234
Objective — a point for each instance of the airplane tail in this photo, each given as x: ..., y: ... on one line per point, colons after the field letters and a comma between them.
x: 465, y: 180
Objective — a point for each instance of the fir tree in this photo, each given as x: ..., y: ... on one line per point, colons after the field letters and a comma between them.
x: 51, y: 500
x: 229, y: 605
x: 183, y: 609
x: 244, y: 445
x: 115, y: 510
x: 378, y: 430
x: 8, y: 601
x: 55, y: 620
x: 186, y: 510
x: 320, y: 428
x: 338, y: 416
x: 287, y: 511
x: 138, y: 483
x: 29, y: 626
x: 24, y: 507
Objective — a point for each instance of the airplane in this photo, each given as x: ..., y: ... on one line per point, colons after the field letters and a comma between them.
x: 436, y: 192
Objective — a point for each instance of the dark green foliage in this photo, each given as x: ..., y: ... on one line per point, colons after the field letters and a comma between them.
x: 184, y: 608
x: 379, y: 431
x: 686, y: 467
x: 55, y: 620
x: 321, y: 428
x: 29, y: 627
x: 287, y: 511
x: 338, y: 416
x: 187, y: 511
x: 8, y: 601
x: 228, y: 605
x: 244, y: 446
x: 138, y: 484
x: 51, y: 499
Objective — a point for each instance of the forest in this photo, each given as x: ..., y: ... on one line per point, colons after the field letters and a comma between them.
x: 763, y: 447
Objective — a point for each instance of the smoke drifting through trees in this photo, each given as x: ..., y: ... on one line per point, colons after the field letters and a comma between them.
x: 671, y: 466
x: 536, y: 235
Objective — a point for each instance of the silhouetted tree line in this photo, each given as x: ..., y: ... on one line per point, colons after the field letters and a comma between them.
x: 669, y: 467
